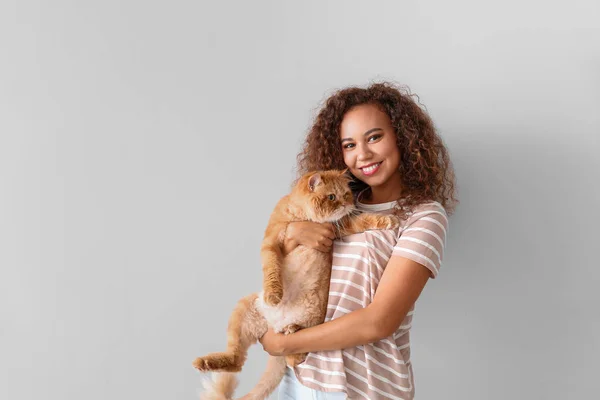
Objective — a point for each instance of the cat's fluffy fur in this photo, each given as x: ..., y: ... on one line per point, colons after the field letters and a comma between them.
x: 295, y: 285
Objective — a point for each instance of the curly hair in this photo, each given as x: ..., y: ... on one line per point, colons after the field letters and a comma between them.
x: 425, y: 166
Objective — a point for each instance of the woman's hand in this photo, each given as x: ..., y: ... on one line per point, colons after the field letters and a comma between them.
x: 273, y: 342
x: 318, y: 236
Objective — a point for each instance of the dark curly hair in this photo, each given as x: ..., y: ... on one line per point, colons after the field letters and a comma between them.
x: 425, y: 166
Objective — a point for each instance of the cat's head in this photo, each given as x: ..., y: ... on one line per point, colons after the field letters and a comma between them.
x: 325, y: 196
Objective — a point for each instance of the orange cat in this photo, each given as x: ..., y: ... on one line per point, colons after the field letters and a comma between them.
x: 295, y: 285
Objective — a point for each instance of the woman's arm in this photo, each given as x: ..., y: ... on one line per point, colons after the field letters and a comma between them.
x: 400, y: 286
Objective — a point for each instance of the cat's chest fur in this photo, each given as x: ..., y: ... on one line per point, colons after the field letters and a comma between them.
x: 305, y: 278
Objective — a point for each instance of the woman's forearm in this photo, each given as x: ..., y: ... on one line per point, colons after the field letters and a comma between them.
x: 353, y: 329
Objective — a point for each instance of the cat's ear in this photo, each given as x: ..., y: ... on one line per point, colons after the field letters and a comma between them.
x: 314, y: 181
x: 347, y: 174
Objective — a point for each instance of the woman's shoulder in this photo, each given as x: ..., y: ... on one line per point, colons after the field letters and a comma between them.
x: 429, y: 206
x: 426, y: 214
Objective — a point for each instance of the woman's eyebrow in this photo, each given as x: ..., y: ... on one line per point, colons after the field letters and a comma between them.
x: 364, y: 134
x: 372, y: 130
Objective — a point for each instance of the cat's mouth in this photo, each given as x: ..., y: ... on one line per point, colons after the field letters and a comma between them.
x: 342, y: 212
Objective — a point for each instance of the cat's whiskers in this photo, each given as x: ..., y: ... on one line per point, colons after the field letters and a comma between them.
x: 354, y: 212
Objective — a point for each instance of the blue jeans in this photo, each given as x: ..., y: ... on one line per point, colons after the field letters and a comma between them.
x: 291, y: 389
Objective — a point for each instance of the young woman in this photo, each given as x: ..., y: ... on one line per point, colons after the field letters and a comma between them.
x: 401, y: 166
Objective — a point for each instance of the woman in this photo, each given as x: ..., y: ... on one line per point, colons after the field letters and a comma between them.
x: 401, y: 166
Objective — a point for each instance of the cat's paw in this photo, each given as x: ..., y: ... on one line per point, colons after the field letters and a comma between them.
x: 273, y: 297
x: 295, y: 359
x: 200, y: 364
x: 217, y: 362
x: 291, y: 328
x: 392, y: 222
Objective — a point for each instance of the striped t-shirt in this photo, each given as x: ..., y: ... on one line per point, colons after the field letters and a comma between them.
x: 380, y: 370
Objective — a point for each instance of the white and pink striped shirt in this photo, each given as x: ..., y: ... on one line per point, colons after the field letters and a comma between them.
x: 380, y: 370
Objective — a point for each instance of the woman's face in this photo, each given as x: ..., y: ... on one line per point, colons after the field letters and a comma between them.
x: 369, y: 146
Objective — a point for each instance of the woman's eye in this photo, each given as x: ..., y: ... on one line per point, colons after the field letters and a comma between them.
x: 374, y: 137
x: 349, y: 145
x: 332, y: 197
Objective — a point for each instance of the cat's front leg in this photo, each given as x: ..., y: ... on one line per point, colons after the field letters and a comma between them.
x: 367, y: 221
x: 272, y: 264
x: 377, y: 221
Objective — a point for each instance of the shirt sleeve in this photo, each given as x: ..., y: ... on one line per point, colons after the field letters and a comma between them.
x: 423, y: 238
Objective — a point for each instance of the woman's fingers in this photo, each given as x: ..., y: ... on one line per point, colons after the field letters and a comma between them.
x: 318, y: 236
x: 328, y: 230
x: 325, y: 241
x: 323, y: 244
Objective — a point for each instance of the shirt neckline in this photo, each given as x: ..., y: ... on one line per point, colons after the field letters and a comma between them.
x: 374, y: 207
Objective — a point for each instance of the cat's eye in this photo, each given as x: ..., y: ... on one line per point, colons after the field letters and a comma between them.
x: 331, y: 197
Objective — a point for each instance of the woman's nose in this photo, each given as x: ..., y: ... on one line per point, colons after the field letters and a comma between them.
x: 364, y: 153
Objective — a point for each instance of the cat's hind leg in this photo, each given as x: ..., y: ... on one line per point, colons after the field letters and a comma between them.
x: 293, y: 359
x: 246, y: 326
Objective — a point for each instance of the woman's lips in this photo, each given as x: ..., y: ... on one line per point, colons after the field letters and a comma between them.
x: 371, y: 169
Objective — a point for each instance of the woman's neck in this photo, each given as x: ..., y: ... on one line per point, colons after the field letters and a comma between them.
x: 374, y: 196
x: 391, y: 190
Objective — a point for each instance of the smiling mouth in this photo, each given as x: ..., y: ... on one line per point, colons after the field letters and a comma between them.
x: 371, y: 169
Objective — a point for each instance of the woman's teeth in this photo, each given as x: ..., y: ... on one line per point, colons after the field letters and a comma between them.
x: 370, y: 170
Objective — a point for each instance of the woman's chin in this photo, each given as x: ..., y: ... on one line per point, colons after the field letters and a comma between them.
x: 372, y: 181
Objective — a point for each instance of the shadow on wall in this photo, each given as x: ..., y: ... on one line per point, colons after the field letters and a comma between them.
x: 522, y: 196
x: 523, y: 231
x: 520, y: 261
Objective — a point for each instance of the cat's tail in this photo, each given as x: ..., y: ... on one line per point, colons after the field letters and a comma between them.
x: 276, y: 367
x: 220, y: 387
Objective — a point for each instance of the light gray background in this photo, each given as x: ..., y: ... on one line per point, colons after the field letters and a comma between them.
x: 144, y: 143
